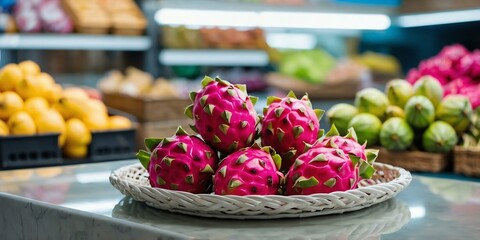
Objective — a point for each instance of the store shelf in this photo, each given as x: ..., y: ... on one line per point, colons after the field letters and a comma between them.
x: 74, y: 42
x: 251, y: 58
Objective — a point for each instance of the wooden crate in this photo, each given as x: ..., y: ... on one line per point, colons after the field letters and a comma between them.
x: 148, y: 109
x: 344, y: 90
x: 467, y: 161
x: 415, y: 161
x: 160, y: 129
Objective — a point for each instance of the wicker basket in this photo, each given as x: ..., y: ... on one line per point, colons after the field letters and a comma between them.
x: 467, y: 161
x: 415, y: 161
x: 387, y: 182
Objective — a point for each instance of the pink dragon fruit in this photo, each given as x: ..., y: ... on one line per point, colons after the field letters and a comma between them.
x: 350, y: 146
x: 458, y: 84
x: 327, y: 167
x: 249, y: 171
x: 290, y: 126
x: 224, y: 115
x: 453, y: 52
x: 181, y: 162
x: 440, y: 68
x: 470, y: 65
x: 473, y: 94
x: 413, y: 75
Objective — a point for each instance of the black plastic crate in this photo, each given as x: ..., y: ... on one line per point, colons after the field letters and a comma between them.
x: 112, y: 145
x: 29, y: 151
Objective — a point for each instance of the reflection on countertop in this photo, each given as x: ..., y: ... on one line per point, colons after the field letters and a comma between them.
x: 430, y: 208
x: 369, y: 223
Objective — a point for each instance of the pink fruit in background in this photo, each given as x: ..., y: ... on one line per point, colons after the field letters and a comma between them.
x: 440, y: 68
x: 413, y: 75
x: 26, y: 18
x: 326, y: 167
x: 473, y: 94
x: 458, y: 84
x: 453, y: 52
x: 53, y: 18
x: 470, y: 65
x: 249, y: 171
x: 290, y: 125
x: 224, y: 115
x: 181, y: 162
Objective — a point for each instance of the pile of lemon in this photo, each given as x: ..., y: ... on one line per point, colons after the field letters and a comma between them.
x: 32, y: 103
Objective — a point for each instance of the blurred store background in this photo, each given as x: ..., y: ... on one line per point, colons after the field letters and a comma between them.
x: 157, y: 51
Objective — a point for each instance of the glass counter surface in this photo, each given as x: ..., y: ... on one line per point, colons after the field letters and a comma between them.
x: 430, y: 208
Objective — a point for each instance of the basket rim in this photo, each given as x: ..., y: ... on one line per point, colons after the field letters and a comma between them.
x: 404, y: 176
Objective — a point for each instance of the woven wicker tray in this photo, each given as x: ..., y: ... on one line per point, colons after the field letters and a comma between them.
x: 387, y: 182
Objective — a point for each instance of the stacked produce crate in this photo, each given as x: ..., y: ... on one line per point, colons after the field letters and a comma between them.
x: 156, y: 104
x: 43, y: 123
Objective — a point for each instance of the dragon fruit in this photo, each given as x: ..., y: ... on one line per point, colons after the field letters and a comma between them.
x: 249, y: 171
x: 181, y: 162
x: 334, y: 164
x: 224, y: 115
x: 349, y: 145
x: 290, y: 125
x: 453, y: 52
x: 459, y: 84
x: 470, y: 64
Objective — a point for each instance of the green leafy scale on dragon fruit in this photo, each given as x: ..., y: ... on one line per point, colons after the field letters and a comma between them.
x: 224, y: 115
x: 249, y: 171
x: 181, y: 162
x: 290, y: 125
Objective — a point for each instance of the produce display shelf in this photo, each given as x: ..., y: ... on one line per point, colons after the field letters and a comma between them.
x: 220, y: 57
x: 74, y: 42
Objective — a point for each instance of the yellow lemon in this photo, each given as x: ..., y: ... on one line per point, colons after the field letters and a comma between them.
x: 45, y: 82
x: 31, y: 86
x: 36, y: 105
x: 29, y: 67
x: 72, y: 107
x: 10, y: 103
x: 119, y: 122
x: 75, y: 93
x: 77, y: 133
x: 96, y: 105
x: 21, y: 123
x: 3, y: 129
x: 96, y: 121
x: 54, y: 93
x: 51, y: 121
x: 75, y: 151
x: 10, y: 75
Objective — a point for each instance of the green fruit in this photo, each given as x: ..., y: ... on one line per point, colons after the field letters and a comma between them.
x: 373, y: 101
x: 394, y: 111
x: 396, y: 134
x: 429, y: 87
x: 398, y: 92
x: 367, y: 126
x: 340, y: 115
x: 455, y: 110
x: 419, y: 112
x: 439, y: 137
x: 312, y: 66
